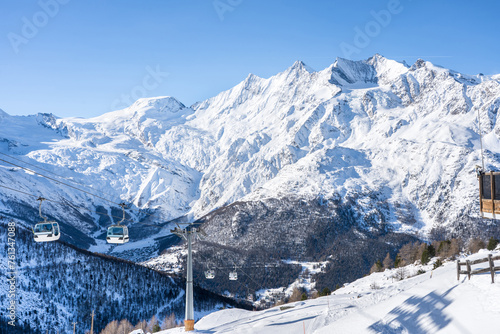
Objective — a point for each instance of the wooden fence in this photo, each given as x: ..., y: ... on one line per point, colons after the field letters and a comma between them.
x: 490, y: 259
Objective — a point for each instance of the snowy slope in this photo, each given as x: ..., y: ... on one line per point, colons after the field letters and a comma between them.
x: 373, y: 131
x: 433, y: 302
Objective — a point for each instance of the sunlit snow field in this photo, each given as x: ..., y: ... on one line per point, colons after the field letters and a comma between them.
x: 433, y: 302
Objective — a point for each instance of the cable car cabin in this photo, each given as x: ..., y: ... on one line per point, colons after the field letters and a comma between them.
x: 209, y: 274
x: 489, y: 194
x: 47, y: 231
x: 233, y: 276
x: 117, y: 234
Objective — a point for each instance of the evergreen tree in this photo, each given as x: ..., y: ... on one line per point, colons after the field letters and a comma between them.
x: 425, y: 257
x: 377, y: 267
x: 492, y: 244
x: 398, y: 262
x: 431, y: 250
x: 438, y: 263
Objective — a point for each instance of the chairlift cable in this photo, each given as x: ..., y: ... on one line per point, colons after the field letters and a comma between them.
x: 102, y: 213
x: 83, y: 208
x: 240, y: 268
x: 65, y: 204
x: 48, y: 171
x: 68, y: 185
x: 89, y: 193
x: 246, y: 287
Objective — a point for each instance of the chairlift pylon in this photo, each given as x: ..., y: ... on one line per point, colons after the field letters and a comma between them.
x: 118, y: 234
x: 47, y: 230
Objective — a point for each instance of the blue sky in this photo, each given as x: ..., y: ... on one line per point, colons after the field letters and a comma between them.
x: 85, y: 58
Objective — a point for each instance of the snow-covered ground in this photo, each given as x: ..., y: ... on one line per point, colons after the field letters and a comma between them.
x: 432, y: 302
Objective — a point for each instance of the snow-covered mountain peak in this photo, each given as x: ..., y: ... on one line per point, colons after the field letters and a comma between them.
x: 297, y: 72
x: 348, y: 72
x: 252, y: 77
x: 160, y: 104
x: 299, y: 65
x: 419, y: 63
x: 426, y: 68
x: 375, y: 70
x: 158, y: 111
x: 387, y: 69
x: 250, y: 82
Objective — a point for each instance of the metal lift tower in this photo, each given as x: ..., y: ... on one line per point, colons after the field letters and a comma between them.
x: 187, y: 234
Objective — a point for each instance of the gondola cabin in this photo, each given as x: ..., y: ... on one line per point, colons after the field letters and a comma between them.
x: 117, y: 234
x: 46, y: 231
x: 489, y: 194
x: 210, y: 274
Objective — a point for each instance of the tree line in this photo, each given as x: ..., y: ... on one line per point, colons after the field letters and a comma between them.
x: 423, y: 252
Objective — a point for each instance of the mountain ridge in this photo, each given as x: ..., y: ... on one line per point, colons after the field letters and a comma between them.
x: 298, y: 133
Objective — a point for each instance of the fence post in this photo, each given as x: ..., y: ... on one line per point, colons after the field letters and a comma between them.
x: 468, y: 268
x: 492, y: 268
x: 458, y: 270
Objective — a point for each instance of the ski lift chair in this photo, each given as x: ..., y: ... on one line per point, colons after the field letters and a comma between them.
x: 210, y: 274
x: 118, y: 234
x: 489, y: 194
x: 233, y: 276
x: 47, y: 230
